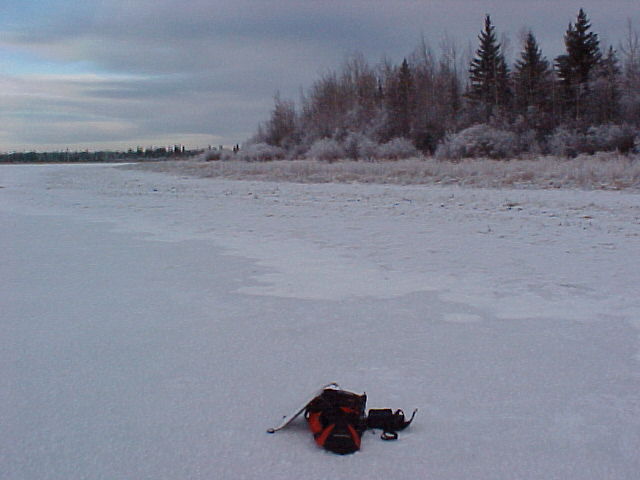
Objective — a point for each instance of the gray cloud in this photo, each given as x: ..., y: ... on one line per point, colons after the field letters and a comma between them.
x: 155, y: 69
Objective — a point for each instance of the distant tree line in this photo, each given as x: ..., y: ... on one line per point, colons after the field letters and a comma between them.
x: 458, y: 105
x: 100, y: 156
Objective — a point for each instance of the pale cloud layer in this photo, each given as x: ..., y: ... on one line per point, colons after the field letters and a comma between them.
x: 116, y: 73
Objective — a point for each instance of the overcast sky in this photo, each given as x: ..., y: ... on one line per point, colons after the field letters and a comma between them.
x: 121, y: 73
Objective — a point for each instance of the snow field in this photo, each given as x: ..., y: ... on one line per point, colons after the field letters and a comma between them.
x: 154, y: 326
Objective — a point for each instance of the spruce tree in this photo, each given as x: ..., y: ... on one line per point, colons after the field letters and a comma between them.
x: 489, y: 74
x: 532, y: 78
x: 405, y: 98
x: 576, y: 66
x: 400, y: 101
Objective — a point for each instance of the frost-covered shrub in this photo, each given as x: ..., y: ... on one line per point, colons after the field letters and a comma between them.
x: 326, y: 149
x: 602, y: 138
x: 227, y: 155
x: 397, y: 149
x: 479, y: 141
x: 359, y: 147
x: 297, y: 151
x: 219, y: 154
x: 350, y: 145
x: 367, y: 148
x: 606, y: 138
x: 211, y: 155
x: 528, y: 143
x: 260, y: 152
x: 564, y: 142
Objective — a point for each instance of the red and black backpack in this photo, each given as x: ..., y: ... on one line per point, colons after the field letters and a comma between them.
x: 337, y: 419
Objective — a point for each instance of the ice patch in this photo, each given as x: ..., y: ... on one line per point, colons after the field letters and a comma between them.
x: 324, y: 279
x: 462, y: 318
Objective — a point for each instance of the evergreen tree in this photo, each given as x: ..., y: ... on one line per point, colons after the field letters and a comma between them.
x: 576, y: 66
x: 489, y: 74
x: 400, y: 101
x: 531, y: 78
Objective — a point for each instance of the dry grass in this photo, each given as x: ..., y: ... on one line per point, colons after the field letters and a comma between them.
x: 604, y: 171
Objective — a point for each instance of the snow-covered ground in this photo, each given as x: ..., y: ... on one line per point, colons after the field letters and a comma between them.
x: 154, y: 326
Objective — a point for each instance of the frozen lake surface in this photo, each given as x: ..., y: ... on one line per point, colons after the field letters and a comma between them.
x: 154, y: 326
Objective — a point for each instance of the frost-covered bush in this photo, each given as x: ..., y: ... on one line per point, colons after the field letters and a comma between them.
x: 260, y: 152
x: 564, y: 142
x: 297, y: 151
x: 367, y: 149
x: 528, y: 143
x: 211, y: 155
x: 219, y: 154
x: 359, y: 147
x: 326, y: 149
x: 607, y: 138
x: 397, y: 149
x: 350, y: 145
x: 227, y: 155
x: 479, y: 141
x: 602, y: 138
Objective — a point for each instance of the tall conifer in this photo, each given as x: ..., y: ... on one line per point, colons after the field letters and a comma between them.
x: 576, y: 66
x: 532, y: 77
x: 400, y: 101
x: 488, y: 73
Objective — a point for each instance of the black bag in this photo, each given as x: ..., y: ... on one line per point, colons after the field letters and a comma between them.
x: 388, y: 421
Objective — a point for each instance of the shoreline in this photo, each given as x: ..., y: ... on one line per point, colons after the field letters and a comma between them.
x: 599, y: 172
